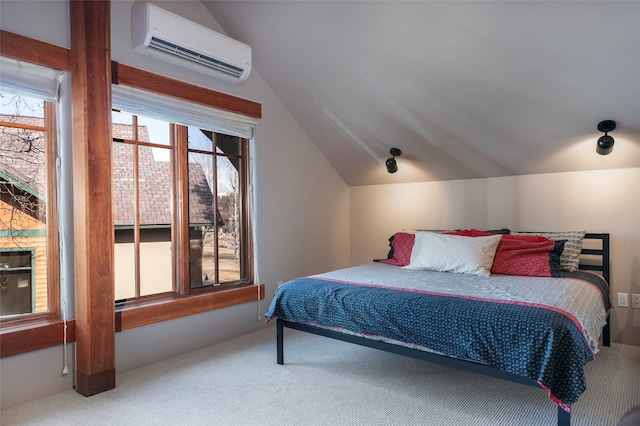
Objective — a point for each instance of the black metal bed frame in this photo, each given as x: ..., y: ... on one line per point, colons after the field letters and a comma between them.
x: 564, y: 417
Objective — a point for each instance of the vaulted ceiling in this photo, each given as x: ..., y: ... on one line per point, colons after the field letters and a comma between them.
x: 465, y: 89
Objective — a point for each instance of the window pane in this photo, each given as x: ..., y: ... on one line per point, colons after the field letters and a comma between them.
x: 229, y: 145
x: 215, y: 242
x: 125, y: 273
x: 23, y: 206
x: 122, y: 125
x: 156, y: 272
x: 150, y: 130
x: 124, y: 208
x: 202, y: 222
x: 155, y: 131
x: 154, y: 197
x: 229, y: 207
x: 200, y: 140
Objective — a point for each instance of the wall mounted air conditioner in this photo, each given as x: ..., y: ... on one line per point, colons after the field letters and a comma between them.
x: 164, y: 35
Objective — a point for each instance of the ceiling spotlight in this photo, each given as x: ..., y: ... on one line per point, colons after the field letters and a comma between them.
x: 605, y: 143
x: 392, y: 166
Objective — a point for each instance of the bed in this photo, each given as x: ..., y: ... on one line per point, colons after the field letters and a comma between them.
x: 538, y: 329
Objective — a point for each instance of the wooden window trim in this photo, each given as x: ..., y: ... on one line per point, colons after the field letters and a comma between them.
x: 35, y: 334
x: 35, y: 51
x: 156, y: 83
x: 53, y: 242
x: 246, y: 239
x: 181, y: 192
x: 172, y: 306
x: 41, y: 331
x: 48, y: 332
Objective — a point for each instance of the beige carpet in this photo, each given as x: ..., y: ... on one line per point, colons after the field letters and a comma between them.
x: 327, y: 382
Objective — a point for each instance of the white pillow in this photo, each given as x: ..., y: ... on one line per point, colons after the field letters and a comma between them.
x: 453, y: 253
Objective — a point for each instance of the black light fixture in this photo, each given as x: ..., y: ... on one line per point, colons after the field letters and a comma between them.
x: 392, y: 166
x: 605, y: 143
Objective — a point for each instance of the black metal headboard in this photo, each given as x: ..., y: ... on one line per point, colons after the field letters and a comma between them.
x: 597, y: 259
x: 593, y: 255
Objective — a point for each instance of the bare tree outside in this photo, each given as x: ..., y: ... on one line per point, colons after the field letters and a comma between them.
x: 22, y: 162
x: 229, y: 202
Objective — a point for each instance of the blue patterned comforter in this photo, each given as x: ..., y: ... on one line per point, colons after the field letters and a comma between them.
x: 545, y: 329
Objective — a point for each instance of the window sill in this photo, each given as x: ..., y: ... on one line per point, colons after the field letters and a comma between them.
x: 33, y: 335
x: 172, y: 307
x: 44, y: 333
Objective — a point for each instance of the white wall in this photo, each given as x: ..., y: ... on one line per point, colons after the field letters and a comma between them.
x: 597, y: 201
x: 302, y: 207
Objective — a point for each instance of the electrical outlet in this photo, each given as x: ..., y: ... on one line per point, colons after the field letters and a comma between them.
x: 623, y: 300
x: 635, y: 301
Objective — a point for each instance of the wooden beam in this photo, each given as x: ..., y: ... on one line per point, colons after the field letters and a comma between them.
x: 93, y: 205
x: 27, y: 49
x: 134, y: 77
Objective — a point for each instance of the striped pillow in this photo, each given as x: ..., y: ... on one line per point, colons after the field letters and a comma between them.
x: 570, y: 256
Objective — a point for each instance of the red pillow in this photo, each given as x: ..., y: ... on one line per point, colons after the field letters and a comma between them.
x: 462, y: 232
x: 476, y: 233
x: 470, y: 233
x: 530, y: 238
x: 532, y: 256
x: 401, y: 244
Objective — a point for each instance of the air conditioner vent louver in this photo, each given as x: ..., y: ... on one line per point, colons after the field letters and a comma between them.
x: 196, y: 57
x: 161, y: 34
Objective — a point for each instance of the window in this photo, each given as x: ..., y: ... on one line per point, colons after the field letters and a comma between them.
x: 143, y: 181
x: 17, y: 292
x: 28, y: 219
x: 217, y: 213
x: 154, y: 161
